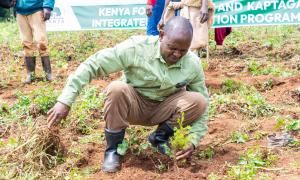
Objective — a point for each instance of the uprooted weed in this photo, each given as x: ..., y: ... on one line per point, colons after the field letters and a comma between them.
x: 30, y: 152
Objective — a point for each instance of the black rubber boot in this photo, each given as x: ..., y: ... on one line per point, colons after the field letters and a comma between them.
x: 47, y: 67
x: 111, y: 157
x: 160, y: 137
x: 30, y: 67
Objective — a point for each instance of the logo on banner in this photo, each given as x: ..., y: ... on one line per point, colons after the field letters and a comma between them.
x: 56, y: 17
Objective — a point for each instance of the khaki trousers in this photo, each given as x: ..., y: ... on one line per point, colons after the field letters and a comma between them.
x: 33, y: 33
x: 125, y: 106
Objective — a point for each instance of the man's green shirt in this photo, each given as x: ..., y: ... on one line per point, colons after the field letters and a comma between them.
x: 144, y: 69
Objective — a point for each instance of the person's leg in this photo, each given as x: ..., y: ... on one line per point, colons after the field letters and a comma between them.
x: 39, y: 31
x: 123, y: 105
x: 193, y: 105
x: 155, y: 18
x: 220, y: 34
x: 200, y: 30
x: 28, y: 46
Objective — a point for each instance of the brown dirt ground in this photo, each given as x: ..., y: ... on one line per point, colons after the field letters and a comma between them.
x: 144, y: 166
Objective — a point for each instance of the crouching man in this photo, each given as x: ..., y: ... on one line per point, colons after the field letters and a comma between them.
x: 161, y: 79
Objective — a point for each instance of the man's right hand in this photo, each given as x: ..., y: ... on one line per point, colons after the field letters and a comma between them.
x: 58, y: 112
x: 149, y: 8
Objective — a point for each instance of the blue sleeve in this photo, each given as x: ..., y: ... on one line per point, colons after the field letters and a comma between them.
x: 48, y: 4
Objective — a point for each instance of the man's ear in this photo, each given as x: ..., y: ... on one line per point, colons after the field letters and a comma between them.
x: 161, y: 35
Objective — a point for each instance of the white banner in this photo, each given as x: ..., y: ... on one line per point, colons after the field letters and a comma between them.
x: 75, y: 15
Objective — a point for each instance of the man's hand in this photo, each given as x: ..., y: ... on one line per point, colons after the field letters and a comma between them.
x: 203, y: 15
x: 160, y: 25
x: 47, y: 13
x: 149, y: 8
x: 58, y: 112
x: 204, y: 11
x: 186, y: 153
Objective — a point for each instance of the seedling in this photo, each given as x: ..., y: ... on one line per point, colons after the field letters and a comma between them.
x: 181, y: 138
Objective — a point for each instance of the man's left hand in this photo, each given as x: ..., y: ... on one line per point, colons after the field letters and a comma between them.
x: 47, y: 13
x: 204, y: 14
x: 186, y: 153
x: 149, y: 8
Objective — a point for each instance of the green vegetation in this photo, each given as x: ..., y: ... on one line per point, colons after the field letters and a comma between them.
x: 245, y: 99
x: 181, y: 138
x: 250, y: 163
x: 86, y: 111
x: 136, y: 141
x: 231, y: 86
x: 287, y: 123
x: 256, y: 68
x: 239, y: 137
x: 207, y: 153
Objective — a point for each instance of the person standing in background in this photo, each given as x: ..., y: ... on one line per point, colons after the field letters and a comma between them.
x: 196, y: 11
x: 154, y: 10
x: 220, y: 35
x: 31, y: 16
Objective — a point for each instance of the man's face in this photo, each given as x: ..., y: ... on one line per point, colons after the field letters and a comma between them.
x: 173, y: 48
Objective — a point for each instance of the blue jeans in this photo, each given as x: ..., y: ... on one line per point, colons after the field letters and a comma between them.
x: 155, y: 18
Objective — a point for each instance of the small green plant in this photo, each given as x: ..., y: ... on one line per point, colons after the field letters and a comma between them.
x: 259, y: 135
x: 213, y: 176
x: 294, y: 143
x: 287, y: 123
x: 4, y: 108
x: 45, y: 98
x: 257, y: 106
x: 239, y: 137
x: 181, y: 138
x: 123, y: 147
x: 230, y: 86
x: 85, y: 113
x: 253, y: 67
x: 204, y: 64
x: 250, y: 162
x: 135, y: 141
x: 248, y: 101
x: 208, y: 153
x: 280, y: 123
x: 256, y: 68
x: 161, y: 166
x: 293, y: 125
x: 266, y: 85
